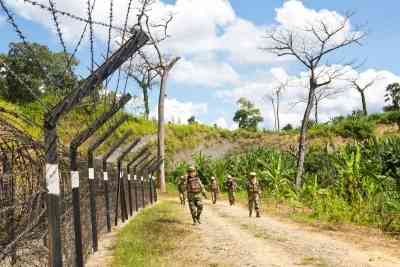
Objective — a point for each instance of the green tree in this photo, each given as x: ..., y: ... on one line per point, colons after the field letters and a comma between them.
x: 192, y: 120
x: 23, y: 78
x: 288, y: 127
x: 247, y: 116
x: 392, y: 96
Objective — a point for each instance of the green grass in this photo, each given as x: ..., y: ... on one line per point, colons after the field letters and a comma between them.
x: 151, y: 237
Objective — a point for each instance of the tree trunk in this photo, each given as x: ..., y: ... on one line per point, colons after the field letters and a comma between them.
x: 161, y: 128
x: 146, y: 102
x: 273, y: 108
x: 277, y: 111
x: 316, y: 110
x: 364, y: 103
x: 303, y: 135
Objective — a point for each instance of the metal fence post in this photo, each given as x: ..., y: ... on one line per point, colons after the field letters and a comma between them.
x: 129, y: 193
x: 106, y: 196
x: 53, y: 194
x: 136, y: 193
x: 76, y: 209
x: 142, y: 187
x: 91, y: 151
x: 121, y: 182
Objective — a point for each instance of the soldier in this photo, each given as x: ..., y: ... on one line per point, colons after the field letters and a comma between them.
x: 253, y: 192
x: 214, y: 188
x: 231, y: 187
x: 195, y: 190
x: 182, y: 189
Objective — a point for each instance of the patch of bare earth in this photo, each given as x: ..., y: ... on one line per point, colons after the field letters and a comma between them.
x: 228, y: 237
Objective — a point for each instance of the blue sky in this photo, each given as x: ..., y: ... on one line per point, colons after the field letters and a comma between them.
x: 219, y: 43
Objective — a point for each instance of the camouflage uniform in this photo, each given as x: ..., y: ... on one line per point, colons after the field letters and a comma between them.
x: 214, y: 188
x: 231, y: 187
x: 253, y: 192
x: 195, y: 190
x: 182, y: 190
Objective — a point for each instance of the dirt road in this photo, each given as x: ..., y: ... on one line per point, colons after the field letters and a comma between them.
x: 227, y: 237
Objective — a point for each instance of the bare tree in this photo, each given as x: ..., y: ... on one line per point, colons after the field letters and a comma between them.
x: 161, y: 64
x: 357, y: 84
x: 275, y: 97
x: 145, y: 78
x: 310, y: 46
x: 271, y: 97
x: 322, y: 93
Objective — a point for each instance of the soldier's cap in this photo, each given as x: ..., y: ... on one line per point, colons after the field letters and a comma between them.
x: 252, y: 174
x: 230, y: 176
x: 212, y: 178
x: 191, y: 169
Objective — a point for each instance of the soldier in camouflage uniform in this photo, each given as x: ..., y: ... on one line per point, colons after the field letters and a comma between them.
x: 214, y: 188
x: 231, y: 188
x: 182, y: 189
x: 195, y: 190
x: 253, y: 192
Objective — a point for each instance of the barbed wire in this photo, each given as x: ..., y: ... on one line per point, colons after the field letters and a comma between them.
x: 20, y: 35
x: 72, y: 16
x: 123, y: 37
x: 78, y: 44
x: 59, y: 33
x: 109, y: 35
x: 23, y: 83
x: 89, y: 13
x: 28, y: 164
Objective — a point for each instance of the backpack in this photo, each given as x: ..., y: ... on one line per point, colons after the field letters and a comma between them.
x: 194, y: 184
x: 253, y: 188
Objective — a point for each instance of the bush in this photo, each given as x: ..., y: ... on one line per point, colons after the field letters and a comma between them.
x: 358, y: 128
x: 319, y: 162
x: 288, y: 127
x: 394, y: 117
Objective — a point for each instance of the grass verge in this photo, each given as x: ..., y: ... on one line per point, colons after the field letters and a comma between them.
x: 151, y: 236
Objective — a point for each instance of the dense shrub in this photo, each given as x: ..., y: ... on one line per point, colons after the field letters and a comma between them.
x: 288, y: 127
x: 358, y: 128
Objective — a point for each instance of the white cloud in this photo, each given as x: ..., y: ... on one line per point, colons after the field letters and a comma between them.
x: 179, y: 112
x: 343, y: 104
x: 243, y: 41
x: 294, y: 17
x: 198, y: 26
x: 211, y: 37
x: 221, y: 122
x: 205, y: 71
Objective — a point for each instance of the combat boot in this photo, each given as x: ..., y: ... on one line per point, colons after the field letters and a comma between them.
x: 258, y: 214
x: 198, y: 220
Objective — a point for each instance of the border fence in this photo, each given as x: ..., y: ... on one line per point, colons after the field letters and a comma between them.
x: 54, y: 201
x: 23, y: 227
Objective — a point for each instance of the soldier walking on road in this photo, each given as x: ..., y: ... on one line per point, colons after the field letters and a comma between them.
x: 253, y: 192
x: 231, y: 187
x: 195, y: 190
x: 182, y: 189
x: 214, y: 188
